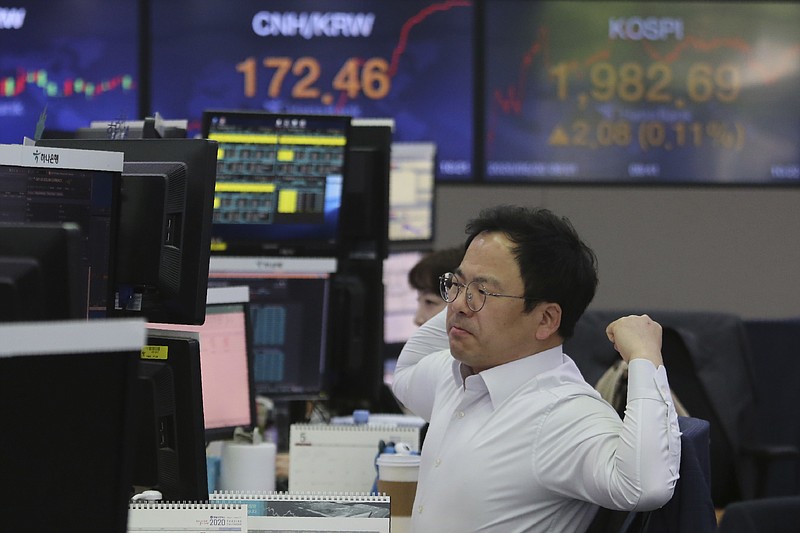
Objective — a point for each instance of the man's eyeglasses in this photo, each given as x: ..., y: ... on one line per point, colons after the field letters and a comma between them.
x: 450, y: 287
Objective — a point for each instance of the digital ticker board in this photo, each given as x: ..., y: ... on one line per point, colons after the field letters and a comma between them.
x: 410, y: 61
x: 642, y: 91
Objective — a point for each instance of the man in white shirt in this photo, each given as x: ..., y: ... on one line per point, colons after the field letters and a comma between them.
x: 518, y: 441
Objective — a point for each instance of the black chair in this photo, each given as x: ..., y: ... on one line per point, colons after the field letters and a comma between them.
x: 766, y: 515
x: 708, y: 361
x: 775, y: 344
x: 690, y: 509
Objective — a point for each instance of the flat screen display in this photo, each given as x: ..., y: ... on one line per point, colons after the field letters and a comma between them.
x: 614, y: 91
x: 279, y: 182
x: 170, y: 434
x: 47, y: 185
x: 400, y: 300
x: 410, y: 60
x: 411, y: 192
x: 73, y: 60
x: 225, y: 355
x: 289, y: 322
x: 225, y: 367
x: 81, y: 377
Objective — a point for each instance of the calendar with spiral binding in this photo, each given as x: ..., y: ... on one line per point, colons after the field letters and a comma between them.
x: 329, y: 512
x: 339, y: 457
x: 189, y: 517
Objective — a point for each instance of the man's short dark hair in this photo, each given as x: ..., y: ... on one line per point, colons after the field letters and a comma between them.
x: 555, y: 264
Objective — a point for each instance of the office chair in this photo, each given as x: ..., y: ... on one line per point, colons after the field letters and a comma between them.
x: 776, y: 351
x: 690, y: 508
x: 766, y: 515
x: 708, y: 362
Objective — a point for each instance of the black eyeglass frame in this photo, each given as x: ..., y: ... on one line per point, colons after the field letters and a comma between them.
x: 449, y: 279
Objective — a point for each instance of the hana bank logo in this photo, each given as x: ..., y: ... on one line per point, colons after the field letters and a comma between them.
x: 44, y: 157
x: 12, y: 18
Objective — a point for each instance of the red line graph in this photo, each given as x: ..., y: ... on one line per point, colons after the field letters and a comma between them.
x: 417, y: 19
x: 405, y: 30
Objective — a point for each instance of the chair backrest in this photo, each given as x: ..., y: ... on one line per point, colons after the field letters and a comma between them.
x: 776, y: 515
x: 709, y: 368
x: 690, y: 508
x: 685, y: 382
x: 776, y: 356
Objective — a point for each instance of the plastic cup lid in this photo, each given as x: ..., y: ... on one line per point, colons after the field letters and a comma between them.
x: 398, y: 459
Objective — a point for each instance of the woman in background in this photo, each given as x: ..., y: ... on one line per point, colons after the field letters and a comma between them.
x: 424, y: 278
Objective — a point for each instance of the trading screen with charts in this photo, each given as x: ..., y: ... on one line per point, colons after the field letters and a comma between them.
x: 279, y: 182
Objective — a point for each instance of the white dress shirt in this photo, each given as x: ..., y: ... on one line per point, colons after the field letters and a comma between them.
x: 529, y: 446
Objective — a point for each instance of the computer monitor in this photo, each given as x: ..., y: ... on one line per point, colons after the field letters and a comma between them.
x: 279, y: 182
x: 170, y: 444
x: 412, y: 192
x: 164, y: 225
x: 289, y: 314
x: 69, y: 410
x: 365, y: 203
x: 356, y: 344
x: 49, y: 185
x: 155, y: 127
x: 226, y: 361
x: 400, y: 300
x: 40, y: 272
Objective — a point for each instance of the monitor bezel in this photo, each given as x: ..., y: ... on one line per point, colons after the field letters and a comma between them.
x: 291, y: 246
x: 290, y: 268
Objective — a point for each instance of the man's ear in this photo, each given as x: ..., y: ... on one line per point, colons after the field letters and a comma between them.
x: 549, y: 322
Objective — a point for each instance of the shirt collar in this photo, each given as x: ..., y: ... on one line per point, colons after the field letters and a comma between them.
x: 502, y: 380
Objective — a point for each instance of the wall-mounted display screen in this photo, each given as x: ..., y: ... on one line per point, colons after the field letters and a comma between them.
x: 671, y: 92
x: 409, y: 60
x: 72, y: 60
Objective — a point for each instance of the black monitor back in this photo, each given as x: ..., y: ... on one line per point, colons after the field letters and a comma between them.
x: 365, y: 197
x: 170, y: 301
x: 170, y: 440
x: 68, y: 421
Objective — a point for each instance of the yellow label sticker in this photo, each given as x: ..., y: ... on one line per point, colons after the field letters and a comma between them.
x: 155, y: 352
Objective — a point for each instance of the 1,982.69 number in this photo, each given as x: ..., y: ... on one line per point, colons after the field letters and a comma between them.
x: 634, y: 82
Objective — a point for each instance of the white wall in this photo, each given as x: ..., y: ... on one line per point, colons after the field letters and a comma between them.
x: 692, y: 248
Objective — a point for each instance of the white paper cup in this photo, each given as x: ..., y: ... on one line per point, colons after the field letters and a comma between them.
x: 397, y: 477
